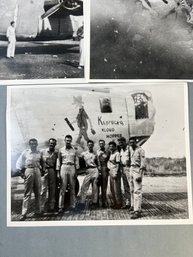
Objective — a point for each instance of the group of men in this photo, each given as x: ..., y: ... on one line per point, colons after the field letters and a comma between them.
x: 41, y: 169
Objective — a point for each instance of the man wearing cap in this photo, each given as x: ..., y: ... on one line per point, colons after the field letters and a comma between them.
x: 11, y: 40
x: 50, y: 156
x: 103, y: 156
x: 124, y: 167
x: 29, y: 166
x: 68, y: 164
x: 92, y: 174
x: 137, y: 169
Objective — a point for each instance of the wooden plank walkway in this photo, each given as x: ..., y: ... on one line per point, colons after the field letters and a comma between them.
x: 159, y: 202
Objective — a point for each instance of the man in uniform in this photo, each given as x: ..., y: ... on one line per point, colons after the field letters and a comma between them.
x: 124, y: 167
x: 80, y: 34
x: 28, y: 165
x: 137, y: 168
x: 103, y: 156
x: 115, y: 175
x: 92, y: 174
x: 68, y: 163
x: 11, y: 40
x: 50, y: 156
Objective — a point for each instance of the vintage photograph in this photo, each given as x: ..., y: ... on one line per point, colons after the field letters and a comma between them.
x: 107, y: 154
x: 141, y: 39
x: 41, y: 39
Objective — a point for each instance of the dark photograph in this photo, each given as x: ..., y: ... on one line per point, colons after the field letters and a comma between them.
x: 141, y: 39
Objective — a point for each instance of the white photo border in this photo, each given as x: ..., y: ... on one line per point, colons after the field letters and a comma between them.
x: 186, y: 221
x: 85, y: 79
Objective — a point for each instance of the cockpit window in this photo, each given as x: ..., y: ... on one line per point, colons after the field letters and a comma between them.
x: 105, y: 104
x: 141, y: 105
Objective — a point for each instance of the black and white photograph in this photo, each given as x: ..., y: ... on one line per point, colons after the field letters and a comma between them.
x: 100, y: 154
x: 42, y: 39
x: 141, y: 39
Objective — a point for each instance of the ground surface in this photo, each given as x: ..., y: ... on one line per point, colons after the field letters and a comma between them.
x: 41, y: 60
x: 129, y: 42
x: 163, y: 198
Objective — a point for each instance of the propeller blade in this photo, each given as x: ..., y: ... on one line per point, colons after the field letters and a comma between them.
x: 51, y: 11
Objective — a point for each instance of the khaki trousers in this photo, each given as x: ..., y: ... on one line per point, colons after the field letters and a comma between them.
x: 103, y: 183
x: 32, y: 183
x: 125, y: 173
x: 115, y: 187
x: 68, y: 177
x: 81, y: 61
x: 90, y: 178
x: 48, y: 185
x: 11, y: 47
x: 136, y: 188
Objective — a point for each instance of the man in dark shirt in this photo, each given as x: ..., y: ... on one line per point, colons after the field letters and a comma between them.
x: 103, y: 156
x: 50, y: 156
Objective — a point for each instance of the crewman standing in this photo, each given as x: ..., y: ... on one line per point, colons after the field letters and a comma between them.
x: 103, y: 156
x: 115, y: 175
x: 124, y: 167
x: 80, y: 34
x: 92, y: 174
x: 29, y: 165
x: 68, y: 164
x: 50, y: 156
x: 11, y: 40
x: 137, y: 169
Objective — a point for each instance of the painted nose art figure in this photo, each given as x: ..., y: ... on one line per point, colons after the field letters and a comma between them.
x: 82, y: 120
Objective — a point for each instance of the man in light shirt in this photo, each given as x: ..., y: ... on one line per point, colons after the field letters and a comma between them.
x: 28, y: 165
x: 11, y: 40
x: 124, y: 166
x: 115, y: 175
x: 49, y: 156
x: 137, y: 168
x: 68, y: 164
x: 91, y: 177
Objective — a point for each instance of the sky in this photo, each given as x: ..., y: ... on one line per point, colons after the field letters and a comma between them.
x: 167, y: 140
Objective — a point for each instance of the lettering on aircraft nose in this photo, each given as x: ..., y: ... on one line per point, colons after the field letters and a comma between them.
x: 109, y: 122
